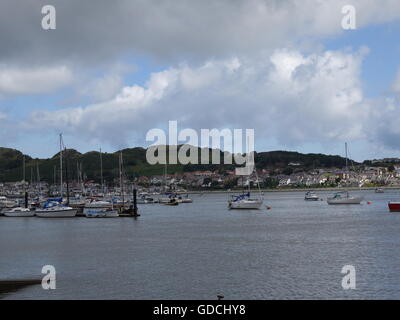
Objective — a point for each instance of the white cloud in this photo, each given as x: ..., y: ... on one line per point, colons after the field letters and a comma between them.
x: 103, y: 88
x: 296, y: 97
x: 33, y: 80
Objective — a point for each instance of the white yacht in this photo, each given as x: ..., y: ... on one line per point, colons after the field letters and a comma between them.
x: 244, y: 201
x: 19, y: 212
x: 344, y: 197
x: 54, y: 209
x: 311, y: 196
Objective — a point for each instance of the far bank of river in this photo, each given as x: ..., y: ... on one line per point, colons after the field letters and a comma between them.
x: 294, y: 189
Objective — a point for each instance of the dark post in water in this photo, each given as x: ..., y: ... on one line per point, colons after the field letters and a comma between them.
x: 26, y: 199
x: 135, y: 209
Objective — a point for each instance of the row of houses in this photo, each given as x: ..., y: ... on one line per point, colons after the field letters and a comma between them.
x: 209, y: 179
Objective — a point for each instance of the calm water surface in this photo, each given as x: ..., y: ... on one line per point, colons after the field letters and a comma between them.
x: 296, y: 250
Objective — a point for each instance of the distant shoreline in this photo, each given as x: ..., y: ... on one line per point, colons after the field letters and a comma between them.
x: 294, y: 190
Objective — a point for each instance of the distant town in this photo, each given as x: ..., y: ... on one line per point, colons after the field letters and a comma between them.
x: 292, y: 175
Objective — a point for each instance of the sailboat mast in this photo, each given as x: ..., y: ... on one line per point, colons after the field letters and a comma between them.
x: 165, y: 177
x: 81, y: 174
x: 345, y: 146
x: 66, y: 175
x: 101, y: 172
x: 55, y: 175
x: 61, y: 166
x: 121, y: 178
x: 24, y: 174
x: 38, y: 178
x: 23, y: 169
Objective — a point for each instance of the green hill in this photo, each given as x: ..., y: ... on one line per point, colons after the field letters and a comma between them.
x: 135, y: 164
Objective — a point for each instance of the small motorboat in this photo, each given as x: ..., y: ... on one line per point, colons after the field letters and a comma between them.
x: 146, y: 200
x: 379, y: 190
x: 185, y: 199
x: 311, y: 196
x: 394, y: 206
x: 19, y: 212
x: 172, y: 202
x: 168, y: 197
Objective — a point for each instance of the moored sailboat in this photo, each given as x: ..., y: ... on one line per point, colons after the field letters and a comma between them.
x: 344, y: 197
x: 244, y: 201
x: 54, y: 208
x: 19, y: 212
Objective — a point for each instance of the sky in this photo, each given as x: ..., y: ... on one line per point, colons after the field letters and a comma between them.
x: 112, y: 71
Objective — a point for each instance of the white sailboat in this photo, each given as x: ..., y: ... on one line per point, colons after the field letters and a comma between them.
x: 54, y: 208
x: 19, y: 212
x: 244, y: 201
x: 344, y: 197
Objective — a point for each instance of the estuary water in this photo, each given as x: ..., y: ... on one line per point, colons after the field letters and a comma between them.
x: 295, y: 250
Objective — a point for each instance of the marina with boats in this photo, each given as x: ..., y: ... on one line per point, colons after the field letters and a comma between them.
x: 123, y: 200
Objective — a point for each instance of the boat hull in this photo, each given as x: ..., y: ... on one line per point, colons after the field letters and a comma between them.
x: 102, y: 214
x: 185, y: 200
x: 19, y: 214
x: 350, y: 200
x: 394, y: 206
x: 246, y: 204
x: 175, y: 203
x: 56, y: 213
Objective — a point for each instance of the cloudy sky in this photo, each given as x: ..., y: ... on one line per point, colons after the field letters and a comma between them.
x: 111, y: 71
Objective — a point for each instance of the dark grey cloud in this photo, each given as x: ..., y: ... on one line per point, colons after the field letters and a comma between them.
x: 89, y: 32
